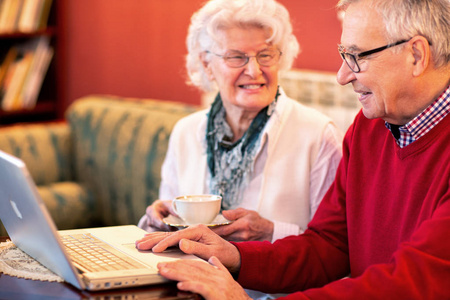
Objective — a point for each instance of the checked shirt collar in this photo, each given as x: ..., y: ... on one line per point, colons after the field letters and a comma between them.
x: 425, y: 121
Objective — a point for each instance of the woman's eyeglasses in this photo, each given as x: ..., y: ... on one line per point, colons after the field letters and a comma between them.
x: 237, y: 59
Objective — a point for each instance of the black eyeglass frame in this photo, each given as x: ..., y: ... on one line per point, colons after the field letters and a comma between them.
x: 225, y: 58
x: 357, y: 56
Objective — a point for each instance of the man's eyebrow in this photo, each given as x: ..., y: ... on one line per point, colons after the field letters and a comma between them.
x: 353, y: 48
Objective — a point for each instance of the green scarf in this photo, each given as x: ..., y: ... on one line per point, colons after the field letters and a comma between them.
x: 231, y: 164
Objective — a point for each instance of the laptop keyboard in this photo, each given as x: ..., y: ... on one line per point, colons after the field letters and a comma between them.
x: 94, y: 255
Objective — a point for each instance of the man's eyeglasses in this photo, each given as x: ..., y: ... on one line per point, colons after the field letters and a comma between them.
x: 352, y: 59
x: 237, y: 59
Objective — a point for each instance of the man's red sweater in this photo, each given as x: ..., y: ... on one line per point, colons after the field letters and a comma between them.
x: 385, y: 223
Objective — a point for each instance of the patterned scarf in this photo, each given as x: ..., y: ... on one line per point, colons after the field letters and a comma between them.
x: 231, y: 164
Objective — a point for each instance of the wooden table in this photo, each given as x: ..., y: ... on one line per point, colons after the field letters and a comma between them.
x: 18, y: 288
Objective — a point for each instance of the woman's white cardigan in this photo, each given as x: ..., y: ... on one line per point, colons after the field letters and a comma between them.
x: 295, y: 165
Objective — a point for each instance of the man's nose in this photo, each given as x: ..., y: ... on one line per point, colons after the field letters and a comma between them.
x: 345, y: 75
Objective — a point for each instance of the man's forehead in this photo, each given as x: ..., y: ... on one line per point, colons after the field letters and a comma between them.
x: 362, y: 27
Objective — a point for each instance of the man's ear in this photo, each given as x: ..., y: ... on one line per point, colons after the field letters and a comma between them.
x: 421, y: 54
x: 206, y: 65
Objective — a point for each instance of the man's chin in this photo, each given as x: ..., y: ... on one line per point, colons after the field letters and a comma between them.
x: 370, y: 114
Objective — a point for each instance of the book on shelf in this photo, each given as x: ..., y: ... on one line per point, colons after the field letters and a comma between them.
x: 24, y: 15
x: 32, y: 86
x: 15, y: 80
x: 9, y: 13
x: 10, y: 57
x: 24, y: 75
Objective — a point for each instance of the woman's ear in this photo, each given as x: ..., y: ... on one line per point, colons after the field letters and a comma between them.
x: 421, y: 54
x: 206, y: 65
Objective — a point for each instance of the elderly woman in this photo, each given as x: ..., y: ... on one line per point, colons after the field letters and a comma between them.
x: 269, y: 157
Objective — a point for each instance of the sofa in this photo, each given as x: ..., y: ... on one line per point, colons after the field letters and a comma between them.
x: 101, y: 165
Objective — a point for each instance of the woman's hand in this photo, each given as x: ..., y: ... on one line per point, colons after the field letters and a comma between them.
x: 248, y: 225
x: 156, y: 212
x: 198, y: 240
x: 212, y: 281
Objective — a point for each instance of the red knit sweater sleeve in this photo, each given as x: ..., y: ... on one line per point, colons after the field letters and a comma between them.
x: 419, y: 269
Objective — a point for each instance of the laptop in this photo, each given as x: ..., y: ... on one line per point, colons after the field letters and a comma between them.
x: 31, y: 228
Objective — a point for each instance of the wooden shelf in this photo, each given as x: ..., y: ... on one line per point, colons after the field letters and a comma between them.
x: 41, y: 107
x: 43, y: 111
x: 50, y: 31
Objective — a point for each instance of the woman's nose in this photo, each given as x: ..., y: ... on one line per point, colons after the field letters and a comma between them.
x: 253, y: 68
x: 345, y: 75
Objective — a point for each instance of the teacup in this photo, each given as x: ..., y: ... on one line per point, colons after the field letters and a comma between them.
x: 197, y: 209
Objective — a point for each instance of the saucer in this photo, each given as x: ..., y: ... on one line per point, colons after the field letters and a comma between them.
x: 177, y: 222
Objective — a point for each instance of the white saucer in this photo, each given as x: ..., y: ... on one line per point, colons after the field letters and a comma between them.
x: 177, y: 222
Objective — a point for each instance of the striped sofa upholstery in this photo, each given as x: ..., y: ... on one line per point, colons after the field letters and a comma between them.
x: 102, y: 165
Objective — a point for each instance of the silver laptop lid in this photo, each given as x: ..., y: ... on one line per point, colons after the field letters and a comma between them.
x: 28, y: 222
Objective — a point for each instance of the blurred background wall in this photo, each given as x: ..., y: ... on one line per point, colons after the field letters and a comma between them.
x: 136, y: 48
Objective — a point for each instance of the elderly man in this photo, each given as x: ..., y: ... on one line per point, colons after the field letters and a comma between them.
x: 385, y: 220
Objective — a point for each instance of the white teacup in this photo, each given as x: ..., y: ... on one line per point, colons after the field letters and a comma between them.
x: 197, y: 209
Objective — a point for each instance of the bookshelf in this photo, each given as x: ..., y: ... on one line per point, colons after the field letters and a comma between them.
x: 43, y: 91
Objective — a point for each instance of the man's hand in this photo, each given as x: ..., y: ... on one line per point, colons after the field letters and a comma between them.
x: 198, y: 240
x: 212, y: 281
